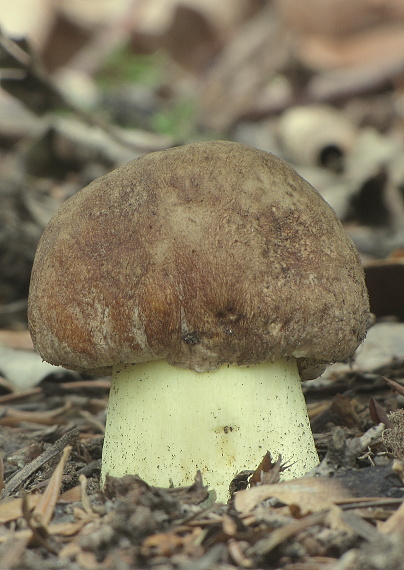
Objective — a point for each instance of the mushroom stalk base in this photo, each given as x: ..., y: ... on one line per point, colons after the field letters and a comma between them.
x: 165, y: 423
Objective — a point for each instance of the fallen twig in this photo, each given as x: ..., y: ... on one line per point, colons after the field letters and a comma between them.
x: 17, y: 480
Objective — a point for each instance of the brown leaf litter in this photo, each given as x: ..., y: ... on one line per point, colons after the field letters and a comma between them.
x: 54, y: 515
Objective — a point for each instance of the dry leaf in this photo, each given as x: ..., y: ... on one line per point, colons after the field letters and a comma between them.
x: 279, y: 535
x: 338, y: 17
x: 162, y: 544
x: 12, y: 510
x: 65, y: 529
x: 377, y: 414
x: 191, y: 31
x: 236, y: 552
x: 267, y: 471
x: 229, y: 525
x: 87, y: 560
x: 24, y: 368
x: 383, y: 344
x: 47, y: 502
x: 373, y: 48
x: 309, y: 494
x: 344, y: 408
x: 72, y: 495
x: 16, y: 339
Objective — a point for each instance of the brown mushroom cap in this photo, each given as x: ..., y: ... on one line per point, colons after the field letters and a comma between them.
x: 204, y: 254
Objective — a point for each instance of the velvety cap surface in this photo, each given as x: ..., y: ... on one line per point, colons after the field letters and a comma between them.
x: 203, y: 254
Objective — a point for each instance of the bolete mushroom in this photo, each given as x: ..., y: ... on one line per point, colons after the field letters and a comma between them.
x: 205, y: 277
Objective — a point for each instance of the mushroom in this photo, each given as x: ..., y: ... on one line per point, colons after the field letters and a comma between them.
x: 209, y: 278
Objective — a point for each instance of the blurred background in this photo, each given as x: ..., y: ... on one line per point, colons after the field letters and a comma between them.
x: 86, y: 85
x: 89, y: 84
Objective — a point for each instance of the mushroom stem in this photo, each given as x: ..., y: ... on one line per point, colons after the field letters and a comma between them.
x: 164, y: 423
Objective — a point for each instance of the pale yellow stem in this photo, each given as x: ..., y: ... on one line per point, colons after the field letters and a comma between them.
x: 164, y: 423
